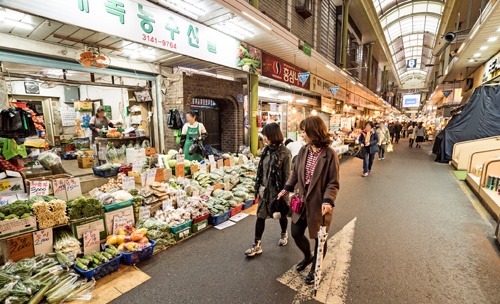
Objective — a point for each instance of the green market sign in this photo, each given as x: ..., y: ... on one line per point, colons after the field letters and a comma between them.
x: 139, y: 22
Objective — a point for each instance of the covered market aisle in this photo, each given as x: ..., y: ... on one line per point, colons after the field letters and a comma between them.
x: 416, y: 238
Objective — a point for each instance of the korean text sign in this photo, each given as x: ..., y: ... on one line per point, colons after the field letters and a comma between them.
x: 139, y: 22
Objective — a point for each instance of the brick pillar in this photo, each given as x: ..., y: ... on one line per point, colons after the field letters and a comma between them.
x: 173, y: 99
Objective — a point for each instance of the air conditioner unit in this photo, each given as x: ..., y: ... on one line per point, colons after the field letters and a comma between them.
x: 304, y: 8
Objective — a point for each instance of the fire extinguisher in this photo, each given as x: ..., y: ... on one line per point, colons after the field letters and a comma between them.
x: 259, y: 121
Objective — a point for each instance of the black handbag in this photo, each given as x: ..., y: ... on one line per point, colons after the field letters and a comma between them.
x: 361, y: 153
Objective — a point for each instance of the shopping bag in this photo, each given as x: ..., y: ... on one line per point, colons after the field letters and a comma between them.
x: 361, y: 153
x: 390, y: 148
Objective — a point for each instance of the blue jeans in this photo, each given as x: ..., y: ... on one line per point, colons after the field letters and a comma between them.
x: 368, y: 161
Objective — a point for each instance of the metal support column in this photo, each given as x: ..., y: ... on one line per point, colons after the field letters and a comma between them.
x: 345, y: 28
x: 253, y: 88
x: 370, y: 63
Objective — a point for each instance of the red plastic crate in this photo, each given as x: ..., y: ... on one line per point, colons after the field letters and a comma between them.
x: 236, y: 210
x: 196, y: 220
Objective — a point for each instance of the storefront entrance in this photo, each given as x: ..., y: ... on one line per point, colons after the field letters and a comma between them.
x: 210, y: 117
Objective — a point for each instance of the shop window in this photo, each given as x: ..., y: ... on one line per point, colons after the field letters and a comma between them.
x: 304, y: 8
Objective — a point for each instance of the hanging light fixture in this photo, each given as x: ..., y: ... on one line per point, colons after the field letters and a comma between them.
x: 294, y: 110
x: 314, y: 112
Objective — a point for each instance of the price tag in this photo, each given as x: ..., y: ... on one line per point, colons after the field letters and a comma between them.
x: 179, y: 171
x: 211, y: 159
x: 166, y: 204
x: 144, y: 212
x: 203, y: 168
x: 39, y: 188
x: 118, y: 222
x: 59, y: 186
x: 220, y: 164
x: 209, y: 190
x: 128, y: 182
x: 137, y: 165
x: 73, y: 188
x: 232, y: 161
x: 91, y: 242
x: 150, y: 176
x: 43, y: 241
x: 4, y: 200
x: 241, y: 160
x: 180, y: 159
x: 213, y: 166
x: 20, y: 247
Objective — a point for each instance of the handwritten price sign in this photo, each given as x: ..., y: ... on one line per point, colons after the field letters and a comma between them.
x: 120, y: 221
x: 91, y: 241
x: 60, y: 188
x: 42, y: 241
x: 73, y: 188
x: 39, y: 188
x: 128, y: 183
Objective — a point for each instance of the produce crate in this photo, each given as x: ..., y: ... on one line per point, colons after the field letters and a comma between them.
x: 219, y: 219
x: 131, y: 258
x: 182, y: 231
x: 248, y: 204
x: 196, y: 220
x: 235, y: 210
x: 199, y: 226
x: 105, y: 173
x: 68, y: 155
x: 117, y: 206
x: 101, y: 270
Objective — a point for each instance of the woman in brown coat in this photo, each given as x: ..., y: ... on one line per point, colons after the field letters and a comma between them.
x: 315, y: 175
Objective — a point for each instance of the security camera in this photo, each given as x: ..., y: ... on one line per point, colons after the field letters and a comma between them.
x: 450, y: 36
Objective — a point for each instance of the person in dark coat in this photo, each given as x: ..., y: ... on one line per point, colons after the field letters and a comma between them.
x: 369, y: 141
x: 274, y: 170
x: 397, y: 131
x: 315, y: 175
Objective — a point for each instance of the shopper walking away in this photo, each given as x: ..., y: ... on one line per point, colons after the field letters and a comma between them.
x: 272, y: 174
x: 294, y: 148
x: 315, y: 175
x: 420, y: 134
x: 99, y: 122
x: 384, y: 138
x: 405, y: 129
x: 411, y: 135
x: 397, y: 131
x: 391, y: 131
x: 192, y: 132
x: 368, y: 141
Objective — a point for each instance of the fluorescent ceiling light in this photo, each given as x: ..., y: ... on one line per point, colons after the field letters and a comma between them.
x: 472, y: 60
x: 330, y: 67
x: 179, y: 9
x: 483, y: 48
x: 353, y: 82
x: 492, y: 39
x: 258, y: 21
x: 18, y: 24
x: 476, y: 55
x: 301, y: 101
x: 343, y: 72
x: 229, y: 32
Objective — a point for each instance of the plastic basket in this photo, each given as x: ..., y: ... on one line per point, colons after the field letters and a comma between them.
x: 101, y: 270
x: 131, y: 258
x: 219, y: 219
x: 181, y: 226
x: 247, y: 204
x: 117, y: 206
x: 196, y: 220
x: 199, y: 226
x: 235, y: 210
x: 68, y: 155
x: 105, y: 173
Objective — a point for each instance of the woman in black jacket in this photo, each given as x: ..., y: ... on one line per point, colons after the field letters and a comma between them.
x: 368, y: 141
x: 272, y: 174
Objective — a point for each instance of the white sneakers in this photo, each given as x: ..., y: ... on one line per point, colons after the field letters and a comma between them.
x: 254, y: 250
x: 284, y: 239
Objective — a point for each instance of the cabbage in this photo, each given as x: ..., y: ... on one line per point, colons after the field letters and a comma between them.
x: 187, y: 163
x: 172, y: 163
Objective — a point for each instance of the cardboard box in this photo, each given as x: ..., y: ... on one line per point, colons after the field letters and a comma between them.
x: 92, y: 223
x: 20, y: 247
x: 15, y: 227
x: 150, y: 151
x: 85, y: 162
x: 127, y: 215
x: 11, y: 183
x: 49, y: 178
x: 136, y: 176
x: 160, y: 175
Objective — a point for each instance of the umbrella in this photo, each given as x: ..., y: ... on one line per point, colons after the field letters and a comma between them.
x: 322, y: 236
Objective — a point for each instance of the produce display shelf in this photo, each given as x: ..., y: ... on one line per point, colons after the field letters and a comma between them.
x: 102, y: 270
x: 196, y: 220
x: 122, y: 138
x: 132, y: 258
x: 235, y: 210
x: 219, y: 219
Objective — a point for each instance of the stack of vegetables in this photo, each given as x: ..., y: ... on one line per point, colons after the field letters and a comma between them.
x: 6, y: 165
x: 173, y: 217
x: 91, y: 261
x: 129, y: 239
x: 16, y: 210
x: 157, y: 230
x: 195, y: 206
x: 84, y: 208
x: 67, y: 244
x: 49, y: 211
x: 113, y: 197
x: 42, y: 277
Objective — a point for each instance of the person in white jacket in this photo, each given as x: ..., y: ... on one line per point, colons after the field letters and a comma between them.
x: 411, y: 135
x: 384, y: 137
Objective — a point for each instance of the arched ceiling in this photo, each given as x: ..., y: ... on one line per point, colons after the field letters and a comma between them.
x: 410, y: 29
